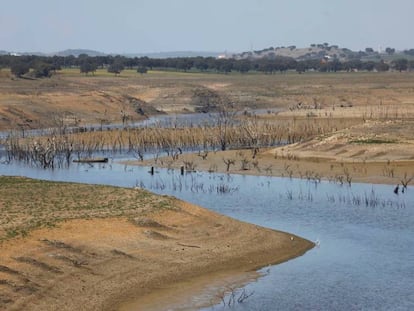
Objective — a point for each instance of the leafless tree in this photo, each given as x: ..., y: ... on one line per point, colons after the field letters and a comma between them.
x: 225, y: 119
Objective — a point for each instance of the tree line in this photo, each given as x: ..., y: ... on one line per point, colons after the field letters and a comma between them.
x: 44, y: 66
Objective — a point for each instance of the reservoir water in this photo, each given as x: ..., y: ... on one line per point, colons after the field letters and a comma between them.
x: 364, y: 259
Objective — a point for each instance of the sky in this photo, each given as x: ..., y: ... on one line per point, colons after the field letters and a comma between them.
x: 144, y: 26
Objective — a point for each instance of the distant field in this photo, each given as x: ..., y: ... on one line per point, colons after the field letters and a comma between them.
x: 325, y: 113
x: 74, y: 98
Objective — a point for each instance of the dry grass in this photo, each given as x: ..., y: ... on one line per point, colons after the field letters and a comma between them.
x: 26, y: 204
x: 339, y: 116
x: 90, y: 99
x: 104, y: 260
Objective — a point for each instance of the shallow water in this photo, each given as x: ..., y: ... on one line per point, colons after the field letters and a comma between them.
x: 163, y: 120
x: 365, y: 257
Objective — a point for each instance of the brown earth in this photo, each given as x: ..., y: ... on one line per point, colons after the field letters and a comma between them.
x: 99, y: 255
x: 72, y: 98
x: 90, y: 263
x: 69, y: 98
x: 372, y: 152
x: 372, y: 112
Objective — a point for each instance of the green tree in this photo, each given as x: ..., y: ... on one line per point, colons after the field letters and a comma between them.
x: 87, y: 66
x: 201, y: 64
x: 184, y: 64
x: 301, y: 67
x: 69, y: 61
x: 411, y: 65
x: 242, y: 66
x: 142, y: 70
x: 116, y: 67
x: 352, y: 65
x: 19, y: 68
x: 400, y: 64
x: 43, y: 70
x: 368, y: 66
x: 225, y: 65
x: 389, y: 51
x: 409, y: 52
x: 382, y: 66
x: 57, y: 62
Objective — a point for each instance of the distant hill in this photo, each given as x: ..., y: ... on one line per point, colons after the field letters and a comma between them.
x: 2, y: 52
x: 317, y: 51
x: 77, y: 52
x: 314, y: 51
x: 174, y: 54
x: 74, y: 52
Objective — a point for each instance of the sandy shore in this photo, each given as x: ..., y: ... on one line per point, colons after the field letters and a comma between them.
x: 102, y: 264
x: 345, y: 157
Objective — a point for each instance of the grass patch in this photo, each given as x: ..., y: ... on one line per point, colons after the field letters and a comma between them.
x: 373, y: 141
x: 27, y: 204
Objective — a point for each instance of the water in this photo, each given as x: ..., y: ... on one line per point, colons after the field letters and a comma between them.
x: 166, y: 121
x: 365, y: 257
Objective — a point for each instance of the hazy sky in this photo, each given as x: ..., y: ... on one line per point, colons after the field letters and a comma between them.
x: 210, y: 25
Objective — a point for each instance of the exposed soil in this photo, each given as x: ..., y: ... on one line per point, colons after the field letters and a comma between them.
x: 102, y: 263
x: 372, y: 152
x: 297, y: 164
x: 105, y: 251
x: 73, y: 98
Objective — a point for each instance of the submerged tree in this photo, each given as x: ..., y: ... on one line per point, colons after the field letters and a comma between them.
x: 225, y: 119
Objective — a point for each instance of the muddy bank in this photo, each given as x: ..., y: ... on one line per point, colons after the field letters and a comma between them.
x: 338, y: 162
x: 101, y: 263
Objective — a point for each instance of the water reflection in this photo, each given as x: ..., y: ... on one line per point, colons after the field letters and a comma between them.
x: 364, y: 260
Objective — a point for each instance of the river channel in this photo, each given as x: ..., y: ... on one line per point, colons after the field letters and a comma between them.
x: 364, y: 258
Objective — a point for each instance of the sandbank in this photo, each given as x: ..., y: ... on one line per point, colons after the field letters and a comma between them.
x: 102, y: 263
